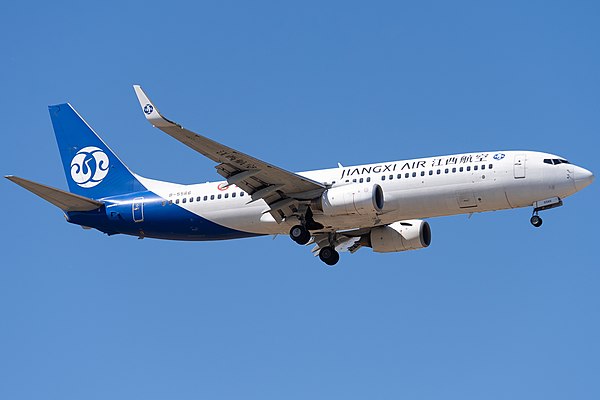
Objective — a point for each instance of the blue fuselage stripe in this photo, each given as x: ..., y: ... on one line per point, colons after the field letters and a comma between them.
x: 146, y: 214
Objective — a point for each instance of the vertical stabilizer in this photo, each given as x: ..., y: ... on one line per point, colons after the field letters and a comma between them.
x: 91, y: 168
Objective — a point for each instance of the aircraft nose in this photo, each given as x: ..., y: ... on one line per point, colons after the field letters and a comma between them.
x: 583, y: 178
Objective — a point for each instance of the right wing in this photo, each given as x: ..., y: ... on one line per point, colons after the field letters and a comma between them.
x: 64, y: 200
x: 285, y: 192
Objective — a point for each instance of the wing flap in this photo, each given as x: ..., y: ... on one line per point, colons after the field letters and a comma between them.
x: 64, y: 200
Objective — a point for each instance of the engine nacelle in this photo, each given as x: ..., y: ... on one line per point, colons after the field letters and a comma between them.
x: 352, y: 199
x: 401, y: 236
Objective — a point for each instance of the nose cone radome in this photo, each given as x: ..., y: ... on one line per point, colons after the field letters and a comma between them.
x: 583, y: 178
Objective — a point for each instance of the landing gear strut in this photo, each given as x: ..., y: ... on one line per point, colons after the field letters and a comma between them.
x: 329, y: 256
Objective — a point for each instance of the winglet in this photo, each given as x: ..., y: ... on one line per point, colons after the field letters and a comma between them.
x: 150, y: 111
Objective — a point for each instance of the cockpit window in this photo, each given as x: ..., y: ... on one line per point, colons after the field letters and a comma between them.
x: 555, y: 161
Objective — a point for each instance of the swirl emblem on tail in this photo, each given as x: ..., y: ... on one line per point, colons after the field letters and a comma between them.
x: 89, y: 167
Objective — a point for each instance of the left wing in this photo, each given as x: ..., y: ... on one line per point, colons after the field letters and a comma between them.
x: 285, y: 192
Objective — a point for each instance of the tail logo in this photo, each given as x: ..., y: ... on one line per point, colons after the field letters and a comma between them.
x: 89, y: 167
x: 148, y: 109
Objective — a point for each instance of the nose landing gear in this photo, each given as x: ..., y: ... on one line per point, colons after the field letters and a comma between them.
x: 542, y: 205
x: 536, y: 221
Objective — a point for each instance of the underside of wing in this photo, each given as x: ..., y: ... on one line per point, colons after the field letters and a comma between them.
x: 285, y: 192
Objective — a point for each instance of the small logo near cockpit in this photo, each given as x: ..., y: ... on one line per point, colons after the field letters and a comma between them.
x: 499, y: 156
x: 148, y: 108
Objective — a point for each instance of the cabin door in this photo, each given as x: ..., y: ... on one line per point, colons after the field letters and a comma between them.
x: 519, y: 166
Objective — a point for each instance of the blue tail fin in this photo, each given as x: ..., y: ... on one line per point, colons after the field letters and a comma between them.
x: 92, y: 169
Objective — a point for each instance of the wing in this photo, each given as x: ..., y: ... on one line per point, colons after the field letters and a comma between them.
x: 285, y: 192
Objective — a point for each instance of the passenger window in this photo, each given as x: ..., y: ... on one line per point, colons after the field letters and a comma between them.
x: 475, y: 167
x: 183, y: 200
x: 205, y: 198
x: 453, y: 170
x: 354, y: 180
x: 233, y: 194
x: 241, y: 194
x: 460, y: 169
x: 469, y: 168
x: 439, y: 171
x: 226, y: 195
x: 430, y: 172
x: 212, y: 196
x: 422, y: 173
x: 177, y: 201
x: 446, y: 170
x: 383, y: 177
x: 483, y: 167
x: 368, y: 179
x: 414, y: 174
x: 164, y: 203
x: 219, y: 196
x: 361, y: 180
x: 170, y: 202
x: 406, y: 175
x: 191, y: 199
x: 198, y: 198
x: 391, y: 177
x: 490, y: 166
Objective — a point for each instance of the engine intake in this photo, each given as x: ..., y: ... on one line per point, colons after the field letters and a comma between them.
x: 352, y: 199
x: 401, y: 236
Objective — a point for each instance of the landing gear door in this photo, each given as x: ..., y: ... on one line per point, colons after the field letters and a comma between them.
x: 138, y: 209
x: 519, y: 166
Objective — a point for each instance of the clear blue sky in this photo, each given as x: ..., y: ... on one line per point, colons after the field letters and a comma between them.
x: 494, y: 309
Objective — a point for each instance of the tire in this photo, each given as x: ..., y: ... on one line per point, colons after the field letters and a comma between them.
x: 299, y: 234
x: 329, y: 256
x: 536, y: 221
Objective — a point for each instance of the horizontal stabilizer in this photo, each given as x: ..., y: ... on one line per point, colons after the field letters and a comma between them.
x: 64, y: 200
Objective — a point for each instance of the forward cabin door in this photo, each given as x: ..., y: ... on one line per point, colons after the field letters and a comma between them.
x: 519, y: 166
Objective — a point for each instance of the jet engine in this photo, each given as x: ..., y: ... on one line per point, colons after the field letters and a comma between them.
x: 361, y: 199
x: 400, y: 236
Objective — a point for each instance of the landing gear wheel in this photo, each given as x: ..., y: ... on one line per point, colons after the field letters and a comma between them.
x: 536, y: 221
x: 300, y: 234
x: 329, y: 256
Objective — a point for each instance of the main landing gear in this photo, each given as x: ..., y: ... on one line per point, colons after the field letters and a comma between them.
x: 300, y: 234
x: 542, y: 205
x: 329, y: 255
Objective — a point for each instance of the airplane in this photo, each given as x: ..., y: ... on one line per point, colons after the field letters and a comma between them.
x: 382, y: 206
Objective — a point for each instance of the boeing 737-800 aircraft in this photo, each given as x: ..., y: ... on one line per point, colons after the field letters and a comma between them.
x: 380, y: 205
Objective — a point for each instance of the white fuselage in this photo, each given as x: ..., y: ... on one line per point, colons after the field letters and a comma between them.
x: 413, y: 189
